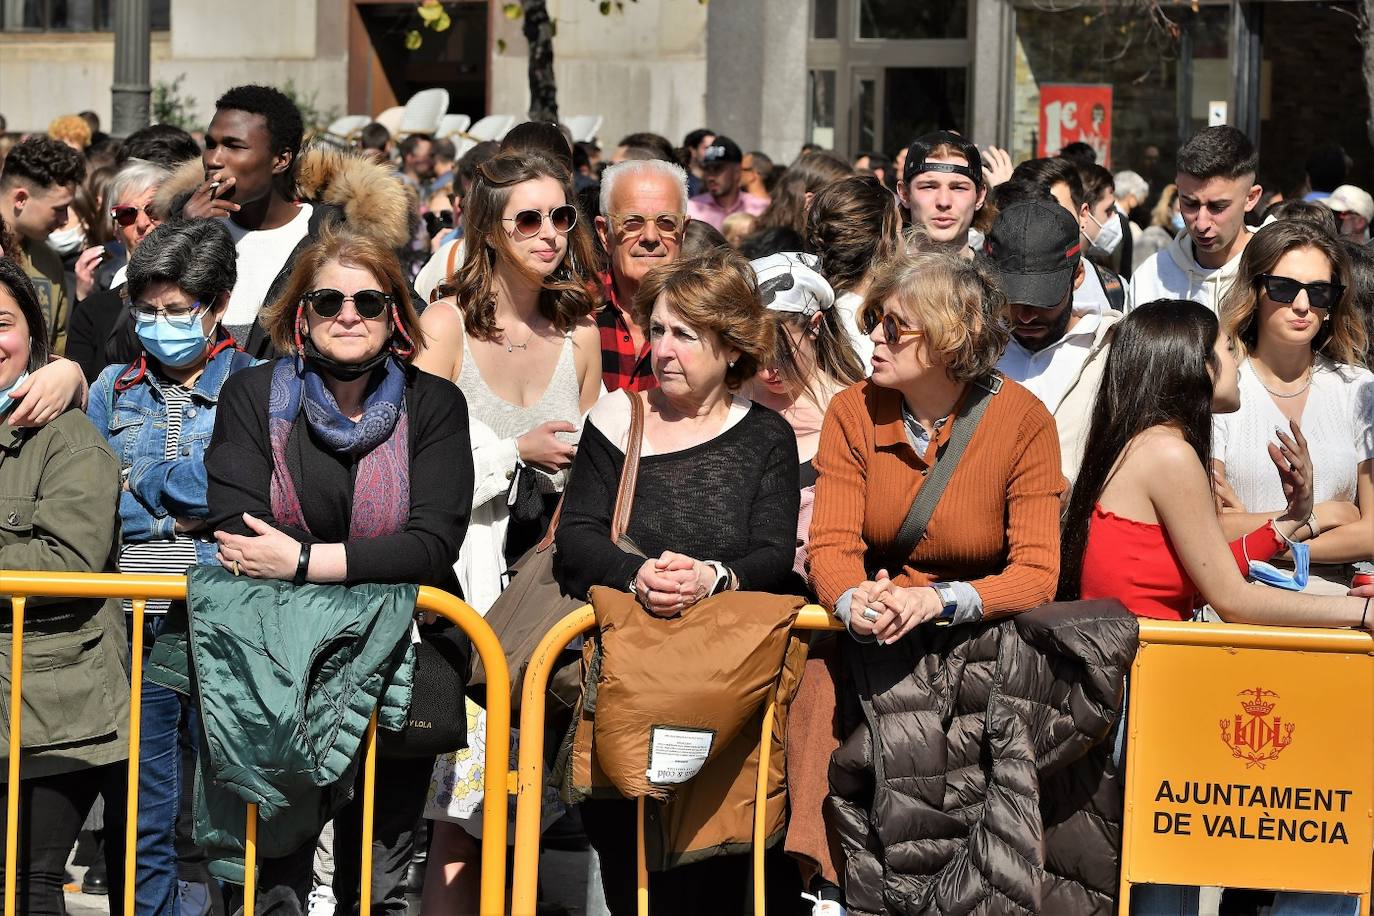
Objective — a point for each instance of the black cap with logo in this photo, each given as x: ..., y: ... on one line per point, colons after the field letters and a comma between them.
x: 722, y: 149
x: 920, y: 148
x: 1035, y: 248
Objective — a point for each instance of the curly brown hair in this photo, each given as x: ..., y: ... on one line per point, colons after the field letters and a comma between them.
x: 717, y: 292
x: 956, y: 302
x: 566, y: 297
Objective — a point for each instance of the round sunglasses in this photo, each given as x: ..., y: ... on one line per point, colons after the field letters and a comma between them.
x: 529, y: 222
x: 893, y: 331
x: 127, y: 216
x: 370, y: 304
x: 1320, y: 295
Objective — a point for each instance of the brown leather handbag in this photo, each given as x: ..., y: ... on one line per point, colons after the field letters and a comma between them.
x: 533, y: 602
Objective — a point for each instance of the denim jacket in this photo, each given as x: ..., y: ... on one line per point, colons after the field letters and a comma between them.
x: 134, y: 421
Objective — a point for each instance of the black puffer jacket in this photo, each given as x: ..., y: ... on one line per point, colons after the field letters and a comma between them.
x: 975, y: 777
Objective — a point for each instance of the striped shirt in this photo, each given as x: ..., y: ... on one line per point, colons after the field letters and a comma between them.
x: 166, y: 557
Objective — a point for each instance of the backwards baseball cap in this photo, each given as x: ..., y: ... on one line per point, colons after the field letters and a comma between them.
x: 788, y: 282
x: 1350, y: 199
x: 917, y: 153
x: 722, y: 149
x: 1035, y: 247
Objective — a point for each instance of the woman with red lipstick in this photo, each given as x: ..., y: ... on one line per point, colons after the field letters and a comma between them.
x: 1292, y: 313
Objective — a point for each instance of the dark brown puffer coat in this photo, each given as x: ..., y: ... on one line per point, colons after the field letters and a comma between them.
x: 976, y: 776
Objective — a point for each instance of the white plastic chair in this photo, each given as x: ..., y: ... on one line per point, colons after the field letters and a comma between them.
x: 347, y: 127
x: 461, y: 145
x: 584, y: 127
x: 451, y: 125
x: 492, y: 127
x: 424, y: 111
x: 391, y: 119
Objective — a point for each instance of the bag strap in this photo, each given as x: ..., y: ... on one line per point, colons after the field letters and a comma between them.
x: 928, y: 497
x: 629, y: 476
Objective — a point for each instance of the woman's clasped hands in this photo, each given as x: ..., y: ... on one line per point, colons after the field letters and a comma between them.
x: 886, y: 611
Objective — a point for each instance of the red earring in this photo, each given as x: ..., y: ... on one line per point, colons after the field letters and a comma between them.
x: 408, y: 350
x: 300, y: 316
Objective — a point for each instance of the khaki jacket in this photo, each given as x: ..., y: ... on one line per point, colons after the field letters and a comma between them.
x: 59, y: 512
x: 44, y: 267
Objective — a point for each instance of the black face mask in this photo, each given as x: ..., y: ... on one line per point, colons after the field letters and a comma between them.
x: 344, y: 372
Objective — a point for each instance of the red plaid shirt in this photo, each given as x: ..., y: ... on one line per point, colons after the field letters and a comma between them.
x: 621, y: 366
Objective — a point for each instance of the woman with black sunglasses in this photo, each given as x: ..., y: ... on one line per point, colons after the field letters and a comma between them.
x: 343, y: 463
x: 1292, y: 313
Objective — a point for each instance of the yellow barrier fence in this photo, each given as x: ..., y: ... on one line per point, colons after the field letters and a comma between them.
x: 1218, y: 709
x: 1250, y: 759
x: 20, y: 586
x: 525, y: 885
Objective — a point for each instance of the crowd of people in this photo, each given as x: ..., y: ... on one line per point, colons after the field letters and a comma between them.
x: 907, y: 388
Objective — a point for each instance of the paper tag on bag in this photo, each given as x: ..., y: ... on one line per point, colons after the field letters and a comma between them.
x: 677, y: 754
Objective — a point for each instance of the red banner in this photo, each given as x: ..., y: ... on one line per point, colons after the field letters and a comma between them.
x: 1074, y: 112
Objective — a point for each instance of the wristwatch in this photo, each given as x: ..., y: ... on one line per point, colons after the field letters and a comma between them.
x: 949, y: 603
x: 722, y: 580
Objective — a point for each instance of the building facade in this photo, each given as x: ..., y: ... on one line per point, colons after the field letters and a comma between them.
x: 851, y: 75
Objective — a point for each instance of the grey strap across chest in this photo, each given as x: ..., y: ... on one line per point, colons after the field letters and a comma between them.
x: 928, y: 497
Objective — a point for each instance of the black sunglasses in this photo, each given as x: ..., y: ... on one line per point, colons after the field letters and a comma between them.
x: 436, y: 221
x: 892, y: 328
x: 127, y: 216
x: 529, y: 222
x: 369, y: 303
x: 1321, y: 295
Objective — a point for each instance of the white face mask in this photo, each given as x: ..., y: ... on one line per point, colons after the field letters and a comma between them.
x: 67, y: 240
x: 1108, y: 234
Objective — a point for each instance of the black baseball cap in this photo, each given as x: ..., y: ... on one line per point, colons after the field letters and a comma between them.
x: 920, y: 148
x: 1035, y: 248
x: 722, y: 149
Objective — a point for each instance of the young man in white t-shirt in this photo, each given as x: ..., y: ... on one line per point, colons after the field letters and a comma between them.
x: 250, y: 155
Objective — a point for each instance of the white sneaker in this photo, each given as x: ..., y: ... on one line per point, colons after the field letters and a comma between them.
x: 320, y: 902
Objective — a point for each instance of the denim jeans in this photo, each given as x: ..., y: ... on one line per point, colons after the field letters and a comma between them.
x: 168, y: 724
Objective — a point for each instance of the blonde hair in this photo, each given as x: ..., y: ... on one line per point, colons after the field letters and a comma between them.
x: 70, y: 129
x: 715, y: 292
x: 956, y: 302
x: 1164, y: 207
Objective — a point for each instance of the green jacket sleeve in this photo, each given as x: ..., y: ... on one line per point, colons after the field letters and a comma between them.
x: 75, y: 514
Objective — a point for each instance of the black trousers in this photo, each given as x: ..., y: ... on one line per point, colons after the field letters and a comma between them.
x: 720, y: 886
x: 284, y: 883
x: 51, y: 812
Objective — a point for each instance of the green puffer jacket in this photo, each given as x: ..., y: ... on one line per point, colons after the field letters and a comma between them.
x: 59, y: 512
x: 287, y: 679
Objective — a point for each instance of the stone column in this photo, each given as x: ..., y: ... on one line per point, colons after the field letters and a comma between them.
x: 756, y: 75
x: 131, y: 90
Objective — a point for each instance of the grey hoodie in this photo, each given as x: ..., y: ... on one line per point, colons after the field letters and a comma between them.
x: 1175, y: 274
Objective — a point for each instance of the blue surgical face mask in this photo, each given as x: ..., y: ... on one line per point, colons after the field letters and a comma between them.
x: 174, y: 344
x: 1273, y: 576
x: 5, y: 400
x: 1176, y: 221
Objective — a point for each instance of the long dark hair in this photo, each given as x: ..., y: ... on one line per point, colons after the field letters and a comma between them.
x: 1157, y: 373
x: 17, y: 283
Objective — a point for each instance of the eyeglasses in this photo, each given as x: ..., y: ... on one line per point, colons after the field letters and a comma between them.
x: 127, y: 216
x: 529, y: 222
x: 370, y: 304
x: 633, y: 224
x: 436, y: 221
x: 893, y: 331
x: 1321, y: 295
x: 179, y: 317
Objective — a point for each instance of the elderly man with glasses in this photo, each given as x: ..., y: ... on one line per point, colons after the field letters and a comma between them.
x: 644, y: 213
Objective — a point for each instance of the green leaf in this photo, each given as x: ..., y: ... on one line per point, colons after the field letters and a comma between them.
x: 605, y: 7
x: 442, y: 23
x: 553, y: 28
x: 414, y: 39
x: 501, y: 46
x: 512, y: 11
x: 430, y: 12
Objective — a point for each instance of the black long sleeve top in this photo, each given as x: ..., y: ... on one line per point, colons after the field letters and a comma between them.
x: 238, y: 464
x: 733, y: 499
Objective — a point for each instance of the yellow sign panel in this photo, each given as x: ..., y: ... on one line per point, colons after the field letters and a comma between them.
x: 1250, y: 768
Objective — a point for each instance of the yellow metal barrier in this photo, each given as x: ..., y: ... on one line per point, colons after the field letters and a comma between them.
x: 525, y: 886
x: 1175, y: 660
x: 23, y: 585
x: 1250, y: 759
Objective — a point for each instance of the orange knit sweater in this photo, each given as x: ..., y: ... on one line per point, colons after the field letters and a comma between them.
x: 996, y: 526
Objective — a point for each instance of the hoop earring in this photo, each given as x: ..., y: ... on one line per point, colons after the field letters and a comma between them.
x: 406, y: 352
x: 300, y: 317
